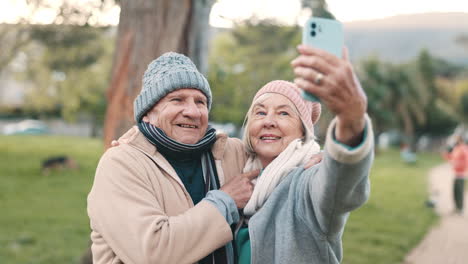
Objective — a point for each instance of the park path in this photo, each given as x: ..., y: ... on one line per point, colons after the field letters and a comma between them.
x: 447, y: 242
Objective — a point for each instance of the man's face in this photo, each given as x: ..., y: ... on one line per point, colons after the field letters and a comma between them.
x: 182, y: 115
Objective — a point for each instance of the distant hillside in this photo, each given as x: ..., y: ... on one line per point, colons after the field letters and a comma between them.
x: 400, y: 38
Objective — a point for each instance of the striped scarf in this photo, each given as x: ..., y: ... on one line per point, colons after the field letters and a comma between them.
x: 169, y: 146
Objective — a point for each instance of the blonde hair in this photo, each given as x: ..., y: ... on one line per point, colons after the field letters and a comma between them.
x: 308, y: 135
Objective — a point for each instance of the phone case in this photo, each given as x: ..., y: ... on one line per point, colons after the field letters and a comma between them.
x: 325, y: 34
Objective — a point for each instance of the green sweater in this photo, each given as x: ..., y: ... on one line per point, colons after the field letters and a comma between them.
x: 191, y: 173
x: 242, y: 242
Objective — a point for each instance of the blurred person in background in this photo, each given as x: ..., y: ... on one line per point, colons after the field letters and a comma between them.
x: 457, y: 155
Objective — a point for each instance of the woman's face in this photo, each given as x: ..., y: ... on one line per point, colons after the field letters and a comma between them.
x: 274, y: 123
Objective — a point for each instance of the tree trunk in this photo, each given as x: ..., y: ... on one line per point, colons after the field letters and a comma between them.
x: 200, y: 33
x: 146, y: 30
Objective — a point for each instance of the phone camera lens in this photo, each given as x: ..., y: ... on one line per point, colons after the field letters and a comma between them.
x: 313, y: 25
x: 313, y: 33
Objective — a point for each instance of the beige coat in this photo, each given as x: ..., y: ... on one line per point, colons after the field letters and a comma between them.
x: 140, y: 212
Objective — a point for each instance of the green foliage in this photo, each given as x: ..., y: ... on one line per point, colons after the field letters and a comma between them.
x: 439, y: 122
x: 445, y: 69
x: 72, y: 46
x: 374, y: 83
x: 13, y: 38
x: 410, y: 96
x: 462, y: 91
x: 442, y: 114
x: 395, y: 219
x: 451, y: 92
x: 394, y: 96
x: 71, y: 73
x: 464, y: 105
x: 245, y: 59
x: 426, y: 68
x: 44, y: 217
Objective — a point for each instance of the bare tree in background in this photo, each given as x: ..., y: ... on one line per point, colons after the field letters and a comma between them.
x: 146, y: 30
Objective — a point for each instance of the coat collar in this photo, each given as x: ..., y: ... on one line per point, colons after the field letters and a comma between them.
x: 136, y: 139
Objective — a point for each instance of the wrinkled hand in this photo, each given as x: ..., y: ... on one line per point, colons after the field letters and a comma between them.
x: 240, y: 188
x: 315, y: 159
x: 339, y: 89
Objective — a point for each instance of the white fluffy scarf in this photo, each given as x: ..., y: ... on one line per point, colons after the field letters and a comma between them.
x: 296, y: 154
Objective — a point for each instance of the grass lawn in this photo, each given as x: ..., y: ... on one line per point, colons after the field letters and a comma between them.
x: 43, y: 217
x: 395, y: 218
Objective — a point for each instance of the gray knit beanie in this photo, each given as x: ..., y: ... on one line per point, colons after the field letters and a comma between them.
x: 170, y: 72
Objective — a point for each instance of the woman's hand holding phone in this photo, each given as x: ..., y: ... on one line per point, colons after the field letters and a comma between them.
x: 339, y: 90
x: 324, y: 34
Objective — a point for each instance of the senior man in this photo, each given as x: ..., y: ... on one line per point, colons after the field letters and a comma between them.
x: 156, y: 198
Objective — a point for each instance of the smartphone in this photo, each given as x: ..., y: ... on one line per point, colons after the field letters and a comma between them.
x: 325, y: 34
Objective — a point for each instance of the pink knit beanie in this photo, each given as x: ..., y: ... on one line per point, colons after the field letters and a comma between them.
x: 309, y: 111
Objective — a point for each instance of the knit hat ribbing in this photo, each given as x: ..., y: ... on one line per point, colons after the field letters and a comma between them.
x: 169, y: 72
x: 309, y: 111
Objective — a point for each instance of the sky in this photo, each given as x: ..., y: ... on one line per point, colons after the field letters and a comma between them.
x: 287, y: 11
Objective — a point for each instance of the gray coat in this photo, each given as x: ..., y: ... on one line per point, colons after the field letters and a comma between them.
x: 304, y: 218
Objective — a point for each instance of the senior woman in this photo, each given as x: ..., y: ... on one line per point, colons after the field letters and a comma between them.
x: 298, y: 215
